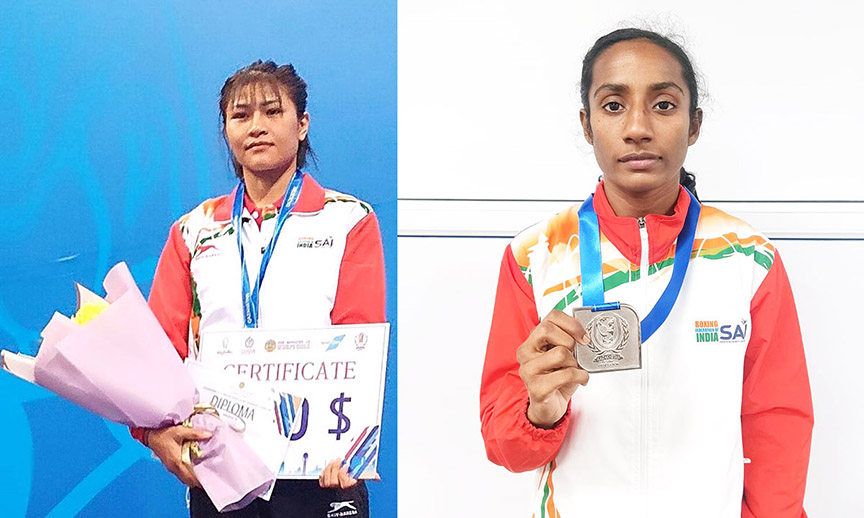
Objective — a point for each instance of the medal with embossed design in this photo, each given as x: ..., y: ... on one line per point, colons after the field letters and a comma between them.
x: 614, y: 328
x: 615, y: 337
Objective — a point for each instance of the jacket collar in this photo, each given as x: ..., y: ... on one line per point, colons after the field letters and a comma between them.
x: 311, y: 200
x: 624, y: 232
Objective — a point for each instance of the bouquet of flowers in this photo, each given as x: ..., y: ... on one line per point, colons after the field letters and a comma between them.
x: 114, y: 359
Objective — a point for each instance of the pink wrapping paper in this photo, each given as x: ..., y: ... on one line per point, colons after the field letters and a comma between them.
x: 122, y: 366
x: 227, y: 490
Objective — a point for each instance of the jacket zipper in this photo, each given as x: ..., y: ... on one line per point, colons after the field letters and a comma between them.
x: 643, y: 268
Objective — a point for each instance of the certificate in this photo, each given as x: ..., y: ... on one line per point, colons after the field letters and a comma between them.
x: 335, y: 373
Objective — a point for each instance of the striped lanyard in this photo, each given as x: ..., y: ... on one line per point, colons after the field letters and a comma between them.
x: 250, y: 294
x: 591, y: 264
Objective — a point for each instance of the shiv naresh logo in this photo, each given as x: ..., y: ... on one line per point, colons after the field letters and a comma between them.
x: 345, y: 508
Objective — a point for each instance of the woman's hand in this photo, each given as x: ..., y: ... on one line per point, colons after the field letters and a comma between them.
x: 335, y: 475
x: 549, y: 369
x: 167, y: 443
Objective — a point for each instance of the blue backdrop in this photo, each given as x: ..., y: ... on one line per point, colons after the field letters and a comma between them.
x: 110, y: 131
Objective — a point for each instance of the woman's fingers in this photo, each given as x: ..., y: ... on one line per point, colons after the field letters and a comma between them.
x: 569, y: 325
x: 192, y: 434
x: 548, y: 366
x: 346, y: 480
x: 167, y: 444
x: 555, y: 370
x: 557, y: 329
x: 187, y: 475
x: 557, y: 357
x: 335, y: 475
x: 180, y: 470
x: 561, y: 383
x: 329, y: 478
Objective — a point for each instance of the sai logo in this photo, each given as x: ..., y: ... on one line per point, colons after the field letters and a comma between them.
x: 734, y: 333
x: 270, y: 345
x: 311, y: 242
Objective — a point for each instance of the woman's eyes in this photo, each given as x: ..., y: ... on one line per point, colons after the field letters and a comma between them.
x: 243, y: 115
x: 616, y: 107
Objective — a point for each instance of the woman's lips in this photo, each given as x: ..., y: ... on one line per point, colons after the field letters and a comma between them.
x: 639, y: 161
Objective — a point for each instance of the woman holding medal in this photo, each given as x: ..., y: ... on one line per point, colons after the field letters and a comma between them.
x: 684, y: 315
x: 240, y: 260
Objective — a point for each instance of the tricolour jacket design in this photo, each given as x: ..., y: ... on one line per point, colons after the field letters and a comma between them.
x: 327, y: 267
x: 721, y: 406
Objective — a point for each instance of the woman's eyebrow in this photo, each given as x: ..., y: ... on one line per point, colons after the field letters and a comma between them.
x: 621, y: 88
x: 666, y: 84
x: 246, y: 104
x: 612, y: 87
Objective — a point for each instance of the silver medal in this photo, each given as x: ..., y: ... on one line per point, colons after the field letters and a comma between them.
x: 615, y: 339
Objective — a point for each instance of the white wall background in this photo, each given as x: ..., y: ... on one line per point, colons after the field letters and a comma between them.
x: 488, y: 96
x: 489, y: 139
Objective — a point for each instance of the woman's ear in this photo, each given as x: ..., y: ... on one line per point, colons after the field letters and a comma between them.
x: 303, y: 130
x: 695, y: 127
x: 586, y: 126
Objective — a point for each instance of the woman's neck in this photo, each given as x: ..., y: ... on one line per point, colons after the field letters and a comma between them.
x: 638, y: 205
x: 265, y: 188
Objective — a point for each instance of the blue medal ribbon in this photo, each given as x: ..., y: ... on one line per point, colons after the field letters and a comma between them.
x: 591, y: 265
x: 250, y: 294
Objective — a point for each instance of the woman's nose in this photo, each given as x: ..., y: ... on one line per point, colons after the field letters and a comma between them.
x: 257, y: 127
x: 638, y: 126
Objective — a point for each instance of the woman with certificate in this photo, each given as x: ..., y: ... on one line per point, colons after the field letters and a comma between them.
x: 682, y: 314
x: 279, y: 252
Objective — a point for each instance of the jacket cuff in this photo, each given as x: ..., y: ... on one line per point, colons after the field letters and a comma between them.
x: 554, y: 434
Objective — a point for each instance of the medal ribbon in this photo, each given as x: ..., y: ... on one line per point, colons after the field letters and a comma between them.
x: 250, y: 294
x: 591, y: 265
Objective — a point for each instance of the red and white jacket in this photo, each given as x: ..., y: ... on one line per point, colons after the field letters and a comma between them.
x: 327, y: 267
x: 721, y: 406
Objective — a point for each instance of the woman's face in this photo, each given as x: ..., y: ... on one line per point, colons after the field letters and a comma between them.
x: 639, y: 123
x: 262, y: 129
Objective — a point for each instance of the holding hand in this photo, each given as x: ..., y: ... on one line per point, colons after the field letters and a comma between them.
x: 335, y: 475
x: 167, y: 444
x: 549, y: 368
